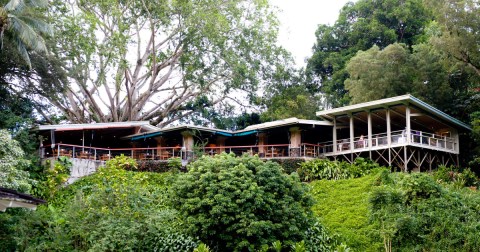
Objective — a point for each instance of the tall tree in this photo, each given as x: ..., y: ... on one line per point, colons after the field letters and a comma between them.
x: 460, y: 23
x: 360, y: 26
x: 25, y: 26
x: 376, y: 74
x: 146, y: 60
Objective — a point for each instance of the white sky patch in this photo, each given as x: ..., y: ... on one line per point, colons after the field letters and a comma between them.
x: 299, y: 20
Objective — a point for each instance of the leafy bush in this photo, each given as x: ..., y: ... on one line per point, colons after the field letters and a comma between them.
x: 289, y: 165
x: 241, y: 203
x: 457, y: 176
x: 54, y: 177
x: 13, y: 165
x: 317, y: 239
x: 414, y: 213
x: 111, y: 210
x: 122, y: 162
x: 335, y: 170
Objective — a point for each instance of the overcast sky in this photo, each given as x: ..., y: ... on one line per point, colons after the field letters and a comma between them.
x: 299, y: 20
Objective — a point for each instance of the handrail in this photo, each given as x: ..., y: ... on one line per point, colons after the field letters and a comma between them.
x: 305, y: 149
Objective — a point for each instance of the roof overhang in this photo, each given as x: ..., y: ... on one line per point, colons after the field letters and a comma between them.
x: 92, y: 126
x: 285, y: 122
x: 180, y: 128
x: 11, y: 198
x: 384, y: 103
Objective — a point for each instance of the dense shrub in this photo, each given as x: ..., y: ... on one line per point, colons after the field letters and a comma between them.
x: 122, y: 162
x: 13, y: 164
x: 334, y: 170
x: 414, y: 213
x: 456, y: 176
x: 111, y: 210
x: 289, y: 165
x: 241, y: 203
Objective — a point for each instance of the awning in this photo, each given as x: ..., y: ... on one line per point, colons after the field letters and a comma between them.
x: 246, y: 133
x: 146, y: 136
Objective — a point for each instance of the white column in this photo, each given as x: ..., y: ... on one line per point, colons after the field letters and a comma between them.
x: 408, y: 128
x: 351, y: 132
x: 369, y: 122
x: 334, y: 136
x: 389, y: 129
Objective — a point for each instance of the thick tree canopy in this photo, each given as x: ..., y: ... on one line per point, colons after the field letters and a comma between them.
x: 376, y: 74
x: 12, y: 164
x: 460, y: 22
x: 360, y: 26
x: 146, y: 60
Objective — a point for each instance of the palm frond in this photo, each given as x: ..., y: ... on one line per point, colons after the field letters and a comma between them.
x: 37, y: 3
x: 26, y: 34
x: 37, y: 24
x: 22, y: 50
x: 15, y: 6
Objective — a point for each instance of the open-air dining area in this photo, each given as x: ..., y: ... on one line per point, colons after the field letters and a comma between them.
x: 397, y: 131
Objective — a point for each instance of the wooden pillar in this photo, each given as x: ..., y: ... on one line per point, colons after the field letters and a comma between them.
x: 369, y: 122
x: 334, y: 136
x: 160, y: 143
x: 188, y: 144
x: 221, y: 143
x: 405, y: 158
x: 295, y: 142
x: 262, y: 140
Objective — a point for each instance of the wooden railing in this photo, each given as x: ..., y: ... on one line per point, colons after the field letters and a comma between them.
x: 164, y: 153
x: 397, y: 138
x: 263, y: 151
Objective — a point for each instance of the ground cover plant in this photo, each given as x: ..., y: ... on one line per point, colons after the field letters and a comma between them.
x: 342, y: 206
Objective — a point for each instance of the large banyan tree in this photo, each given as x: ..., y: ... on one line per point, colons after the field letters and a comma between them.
x: 160, y: 60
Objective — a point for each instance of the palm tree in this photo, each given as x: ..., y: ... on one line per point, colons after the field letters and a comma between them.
x: 22, y: 25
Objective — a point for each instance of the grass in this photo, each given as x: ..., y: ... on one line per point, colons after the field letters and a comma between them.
x: 342, y: 206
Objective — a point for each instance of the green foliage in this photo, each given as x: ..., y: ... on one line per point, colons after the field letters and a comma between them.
x: 292, y: 101
x: 299, y: 247
x: 360, y: 26
x: 202, y: 248
x: 211, y: 50
x: 459, y: 177
x: 374, y: 75
x: 110, y: 210
x: 175, y: 163
x: 54, y: 177
x: 342, y: 206
x: 240, y: 203
x: 335, y: 170
x: 289, y: 165
x: 122, y: 162
x: 318, y: 239
x: 414, y: 213
x: 13, y: 165
x: 23, y: 23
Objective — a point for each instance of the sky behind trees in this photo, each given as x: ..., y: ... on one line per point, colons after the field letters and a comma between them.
x: 299, y: 20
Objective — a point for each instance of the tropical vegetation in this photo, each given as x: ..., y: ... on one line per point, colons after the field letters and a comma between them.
x: 218, y: 62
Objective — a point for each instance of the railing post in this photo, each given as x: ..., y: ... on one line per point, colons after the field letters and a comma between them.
x: 73, y: 152
x: 58, y: 150
x: 109, y: 154
x: 95, y: 154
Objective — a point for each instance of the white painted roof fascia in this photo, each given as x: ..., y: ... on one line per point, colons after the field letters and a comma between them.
x: 328, y: 114
x: 145, y: 124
